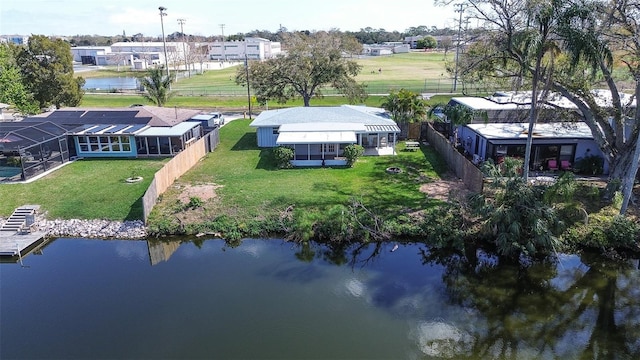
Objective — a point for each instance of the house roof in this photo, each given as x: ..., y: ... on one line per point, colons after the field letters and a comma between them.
x: 176, y: 130
x: 324, y: 127
x: 509, y: 131
x: 345, y: 114
x: 147, y: 115
x: 108, y: 129
x: 510, y: 100
x: 317, y: 137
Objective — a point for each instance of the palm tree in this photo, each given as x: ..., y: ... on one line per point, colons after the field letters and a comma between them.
x: 157, y: 86
x: 536, y: 44
x: 405, y: 107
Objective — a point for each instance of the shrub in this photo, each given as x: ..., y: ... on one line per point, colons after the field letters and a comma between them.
x: 622, y: 232
x: 352, y: 152
x: 590, y: 165
x: 195, y: 202
x: 283, y: 156
x: 605, y: 229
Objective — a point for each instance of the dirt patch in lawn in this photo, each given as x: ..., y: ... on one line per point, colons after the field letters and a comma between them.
x: 446, y: 188
x: 205, y: 192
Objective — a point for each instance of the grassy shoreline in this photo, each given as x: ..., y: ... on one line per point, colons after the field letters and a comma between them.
x: 249, y: 189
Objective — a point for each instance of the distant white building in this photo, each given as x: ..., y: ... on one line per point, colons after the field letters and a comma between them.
x: 88, y: 55
x: 15, y: 39
x: 387, y: 48
x: 138, y: 55
x: 254, y: 48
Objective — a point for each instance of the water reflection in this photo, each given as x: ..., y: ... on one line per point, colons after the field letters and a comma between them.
x: 578, y: 307
x: 274, y: 299
x: 160, y: 251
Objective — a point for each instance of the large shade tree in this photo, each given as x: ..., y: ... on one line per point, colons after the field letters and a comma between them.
x: 599, y: 47
x: 46, y: 67
x: 157, y: 86
x: 12, y: 89
x: 312, y: 63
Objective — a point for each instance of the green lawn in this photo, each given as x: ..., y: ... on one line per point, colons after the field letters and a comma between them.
x: 85, y: 189
x: 253, y: 187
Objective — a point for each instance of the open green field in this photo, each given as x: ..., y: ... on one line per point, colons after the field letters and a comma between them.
x: 250, y: 185
x: 85, y: 189
x: 416, y: 71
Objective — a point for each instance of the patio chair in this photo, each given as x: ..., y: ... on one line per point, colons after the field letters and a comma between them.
x: 565, y: 165
x: 552, y: 164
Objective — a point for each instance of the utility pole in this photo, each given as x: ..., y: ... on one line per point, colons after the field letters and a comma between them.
x: 184, y: 51
x: 164, y: 43
x: 246, y: 66
x: 460, y: 10
x: 224, y: 56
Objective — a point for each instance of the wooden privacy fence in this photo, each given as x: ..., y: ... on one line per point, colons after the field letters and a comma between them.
x: 461, y: 166
x: 175, y: 168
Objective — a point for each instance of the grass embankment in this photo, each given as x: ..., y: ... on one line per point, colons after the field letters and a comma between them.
x: 251, y: 188
x: 85, y: 189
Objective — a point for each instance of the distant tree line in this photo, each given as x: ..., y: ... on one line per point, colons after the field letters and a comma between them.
x: 366, y: 35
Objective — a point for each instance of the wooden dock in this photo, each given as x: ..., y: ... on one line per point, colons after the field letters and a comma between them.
x: 19, y: 234
x: 18, y: 245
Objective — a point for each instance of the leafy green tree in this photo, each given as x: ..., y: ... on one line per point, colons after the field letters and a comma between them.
x: 427, y: 42
x: 12, y: 89
x: 312, y: 63
x: 47, y: 71
x: 157, y: 86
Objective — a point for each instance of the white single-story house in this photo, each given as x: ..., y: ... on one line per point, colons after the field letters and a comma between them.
x: 318, y: 135
x: 556, y: 146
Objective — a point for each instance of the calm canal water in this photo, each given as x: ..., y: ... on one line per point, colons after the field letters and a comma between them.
x: 82, y: 299
x: 111, y: 83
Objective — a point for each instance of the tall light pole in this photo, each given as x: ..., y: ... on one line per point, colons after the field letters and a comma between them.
x: 164, y: 43
x: 184, y: 52
x: 224, y: 56
x: 460, y: 10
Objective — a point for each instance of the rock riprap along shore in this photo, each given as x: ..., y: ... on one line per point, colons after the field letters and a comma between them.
x: 103, y: 229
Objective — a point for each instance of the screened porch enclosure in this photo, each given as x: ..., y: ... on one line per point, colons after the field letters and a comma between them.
x: 30, y: 149
x: 159, y: 146
x: 317, y: 151
x: 167, y: 141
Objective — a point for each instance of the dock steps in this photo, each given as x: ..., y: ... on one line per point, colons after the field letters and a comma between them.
x: 21, y: 219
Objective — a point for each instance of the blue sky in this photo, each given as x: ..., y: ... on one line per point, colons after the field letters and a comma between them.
x: 203, y: 17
